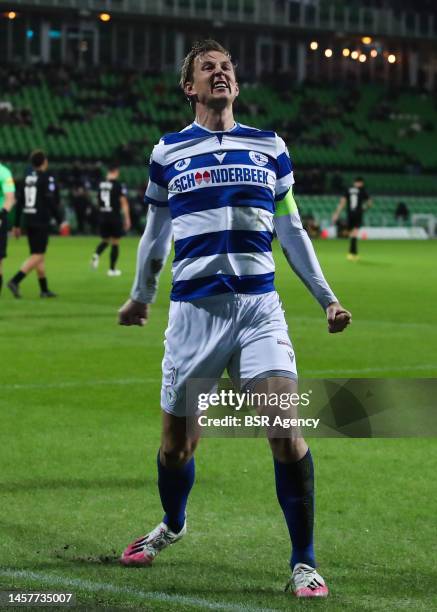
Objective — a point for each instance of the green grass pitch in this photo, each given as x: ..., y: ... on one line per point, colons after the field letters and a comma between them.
x: 80, y: 423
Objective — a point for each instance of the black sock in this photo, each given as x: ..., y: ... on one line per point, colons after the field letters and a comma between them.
x: 353, y: 250
x: 101, y: 247
x: 18, y: 278
x: 1, y: 282
x: 43, y: 284
x: 114, y: 256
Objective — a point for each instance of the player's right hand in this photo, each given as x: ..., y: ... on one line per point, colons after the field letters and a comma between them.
x: 133, y: 313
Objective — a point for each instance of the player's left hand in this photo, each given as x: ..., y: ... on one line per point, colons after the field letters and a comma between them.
x: 133, y: 313
x: 338, y: 318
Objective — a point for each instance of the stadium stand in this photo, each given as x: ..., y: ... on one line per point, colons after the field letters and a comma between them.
x: 333, y: 134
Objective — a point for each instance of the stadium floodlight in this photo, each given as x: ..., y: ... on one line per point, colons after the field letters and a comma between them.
x: 374, y: 53
x: 11, y: 15
x: 314, y: 45
x: 328, y: 52
x: 362, y: 58
x: 366, y: 40
x: 391, y: 58
x: 346, y: 52
x: 105, y: 17
x: 354, y: 55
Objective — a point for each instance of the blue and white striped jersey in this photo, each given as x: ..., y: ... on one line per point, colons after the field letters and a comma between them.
x: 220, y: 189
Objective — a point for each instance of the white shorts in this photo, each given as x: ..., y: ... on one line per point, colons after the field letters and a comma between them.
x: 245, y: 334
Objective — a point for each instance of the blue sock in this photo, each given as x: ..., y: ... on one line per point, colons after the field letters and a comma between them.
x: 174, y: 487
x: 295, y: 491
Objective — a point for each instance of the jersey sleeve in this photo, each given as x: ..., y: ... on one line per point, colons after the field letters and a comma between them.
x: 123, y: 190
x: 299, y: 251
x: 152, y: 253
x: 8, y: 185
x: 157, y: 188
x: 284, y: 172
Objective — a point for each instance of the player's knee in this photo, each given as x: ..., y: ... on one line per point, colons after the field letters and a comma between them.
x: 175, y: 454
x: 288, y: 450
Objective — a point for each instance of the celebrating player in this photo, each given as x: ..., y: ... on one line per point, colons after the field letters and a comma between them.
x: 114, y: 218
x: 221, y: 189
x: 37, y: 204
x: 7, y: 201
x: 357, y: 200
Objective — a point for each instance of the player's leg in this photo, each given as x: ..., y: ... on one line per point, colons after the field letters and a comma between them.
x: 113, y: 257
x: 38, y: 239
x: 266, y: 364
x: 176, y: 468
x: 194, y: 333
x: 29, y: 265
x: 176, y: 472
x: 3, y: 243
x: 354, y: 226
x: 42, y: 279
x: 101, y: 247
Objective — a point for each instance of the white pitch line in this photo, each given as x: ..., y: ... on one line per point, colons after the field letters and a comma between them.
x: 159, y: 596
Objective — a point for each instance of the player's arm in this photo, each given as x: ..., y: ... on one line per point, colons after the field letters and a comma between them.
x: 368, y: 203
x: 300, y: 254
x: 54, y: 199
x: 152, y: 254
x: 339, y: 208
x: 126, y: 212
x: 154, y: 245
x: 8, y: 188
x: 9, y: 202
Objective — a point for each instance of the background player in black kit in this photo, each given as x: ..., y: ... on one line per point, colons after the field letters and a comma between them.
x: 357, y: 200
x: 38, y: 202
x: 114, y: 217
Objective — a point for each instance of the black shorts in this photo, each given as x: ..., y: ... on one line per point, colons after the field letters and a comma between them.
x: 38, y: 239
x: 3, y: 235
x: 354, y: 220
x: 111, y: 229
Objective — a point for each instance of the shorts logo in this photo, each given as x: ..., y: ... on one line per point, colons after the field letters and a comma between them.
x: 284, y: 342
x: 172, y: 376
x: 258, y: 158
x: 182, y: 164
x: 171, y: 396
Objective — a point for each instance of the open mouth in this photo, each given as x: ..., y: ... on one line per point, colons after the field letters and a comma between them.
x: 221, y: 86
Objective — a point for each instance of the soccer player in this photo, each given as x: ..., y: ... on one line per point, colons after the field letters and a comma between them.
x: 114, y: 218
x: 221, y: 189
x: 37, y: 204
x: 357, y: 200
x: 7, y: 201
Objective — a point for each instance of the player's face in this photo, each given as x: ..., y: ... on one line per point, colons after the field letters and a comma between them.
x: 214, y: 83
